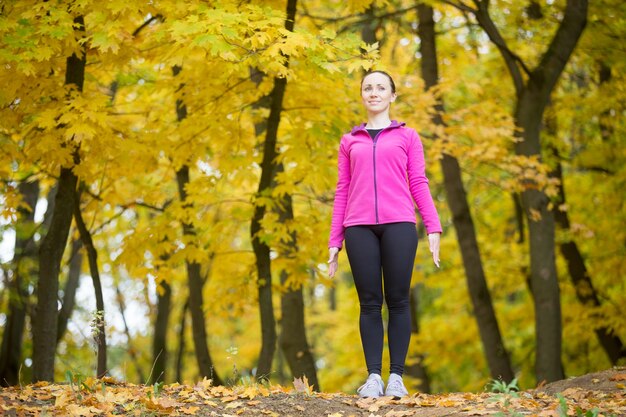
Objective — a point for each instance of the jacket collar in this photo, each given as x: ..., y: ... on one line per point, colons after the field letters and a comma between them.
x: 394, y: 124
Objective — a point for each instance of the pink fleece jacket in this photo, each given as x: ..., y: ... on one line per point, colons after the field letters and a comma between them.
x: 378, y: 180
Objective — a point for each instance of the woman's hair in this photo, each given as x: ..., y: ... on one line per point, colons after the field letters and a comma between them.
x: 393, y: 85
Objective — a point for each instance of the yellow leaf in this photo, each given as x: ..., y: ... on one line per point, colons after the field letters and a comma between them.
x: 79, y: 411
x: 234, y: 404
x: 64, y: 399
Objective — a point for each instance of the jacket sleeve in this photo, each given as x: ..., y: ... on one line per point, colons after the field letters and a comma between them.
x: 341, y: 196
x: 418, y: 185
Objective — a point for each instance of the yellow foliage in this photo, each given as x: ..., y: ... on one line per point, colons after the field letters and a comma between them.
x: 131, y: 142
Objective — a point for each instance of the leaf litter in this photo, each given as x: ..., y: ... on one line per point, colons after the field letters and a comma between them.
x: 599, y: 394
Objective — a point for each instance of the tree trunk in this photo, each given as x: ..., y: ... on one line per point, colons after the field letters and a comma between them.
x: 53, y: 245
x: 180, y: 353
x: 543, y: 278
x: 368, y: 30
x: 293, y: 340
x: 264, y: 270
x: 533, y: 92
x: 24, y: 272
x: 194, y: 276
x: 71, y: 286
x: 496, y: 355
x: 159, y: 341
x: 99, y: 321
x: 261, y: 249
x: 196, y: 302
x: 417, y: 370
x: 585, y: 292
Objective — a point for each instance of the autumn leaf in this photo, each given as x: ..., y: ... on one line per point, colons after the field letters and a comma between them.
x: 302, y: 385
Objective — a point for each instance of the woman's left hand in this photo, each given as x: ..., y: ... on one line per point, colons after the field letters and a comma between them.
x: 433, y: 243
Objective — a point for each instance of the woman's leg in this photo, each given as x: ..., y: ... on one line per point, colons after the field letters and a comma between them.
x: 363, y: 249
x: 398, y: 246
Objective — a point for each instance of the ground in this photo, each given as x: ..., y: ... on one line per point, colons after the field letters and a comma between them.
x: 597, y: 394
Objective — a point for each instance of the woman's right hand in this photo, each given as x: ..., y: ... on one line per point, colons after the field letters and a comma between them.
x: 333, y: 263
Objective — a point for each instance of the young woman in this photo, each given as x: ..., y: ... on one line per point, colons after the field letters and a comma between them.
x: 381, y: 174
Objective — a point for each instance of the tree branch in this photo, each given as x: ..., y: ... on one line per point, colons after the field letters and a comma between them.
x: 511, y: 59
x: 555, y: 58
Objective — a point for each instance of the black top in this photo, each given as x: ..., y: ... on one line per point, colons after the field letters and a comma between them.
x: 373, y: 132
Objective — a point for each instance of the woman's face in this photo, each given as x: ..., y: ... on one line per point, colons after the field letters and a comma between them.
x: 376, y: 93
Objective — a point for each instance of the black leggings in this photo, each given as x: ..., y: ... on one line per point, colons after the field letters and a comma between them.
x: 390, y: 247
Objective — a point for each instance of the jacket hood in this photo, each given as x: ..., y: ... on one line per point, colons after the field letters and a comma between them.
x: 394, y: 124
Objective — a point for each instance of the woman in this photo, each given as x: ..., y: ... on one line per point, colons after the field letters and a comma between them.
x: 381, y: 173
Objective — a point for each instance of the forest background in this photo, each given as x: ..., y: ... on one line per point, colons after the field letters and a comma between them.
x: 168, y: 171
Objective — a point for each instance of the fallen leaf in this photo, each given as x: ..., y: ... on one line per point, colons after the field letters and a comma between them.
x: 336, y: 415
x: 618, y: 377
x: 250, y: 392
x: 63, y: 400
x: 230, y: 398
x: 399, y: 413
x: 302, y: 385
x: 190, y: 410
x: 234, y: 404
x: 80, y: 411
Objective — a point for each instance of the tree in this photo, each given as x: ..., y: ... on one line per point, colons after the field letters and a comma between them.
x: 23, y: 272
x: 533, y: 88
x: 98, y: 321
x: 496, y: 354
x: 53, y: 245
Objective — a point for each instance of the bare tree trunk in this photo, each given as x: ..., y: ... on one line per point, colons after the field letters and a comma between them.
x: 53, y: 245
x: 92, y: 256
x: 293, y: 340
x: 533, y: 89
x: 495, y: 352
x: 261, y: 249
x: 180, y: 353
x: 159, y: 341
x: 585, y: 292
x: 417, y: 370
x: 24, y: 271
x: 71, y: 286
x: 196, y: 302
x: 194, y: 276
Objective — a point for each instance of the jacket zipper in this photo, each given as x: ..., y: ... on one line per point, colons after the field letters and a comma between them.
x: 375, y: 183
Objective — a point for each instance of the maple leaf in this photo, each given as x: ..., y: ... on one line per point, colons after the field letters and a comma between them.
x: 190, y: 410
x: 80, y: 411
x: 302, y: 385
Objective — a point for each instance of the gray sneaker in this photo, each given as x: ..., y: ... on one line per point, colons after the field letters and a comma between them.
x: 395, y: 387
x: 373, y: 387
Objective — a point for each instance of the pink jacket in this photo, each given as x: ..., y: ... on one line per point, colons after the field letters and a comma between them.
x: 379, y: 179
